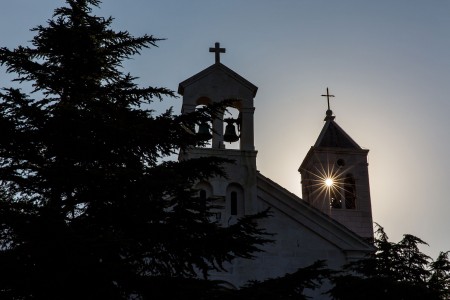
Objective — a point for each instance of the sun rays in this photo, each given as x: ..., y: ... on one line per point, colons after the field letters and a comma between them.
x: 331, y: 183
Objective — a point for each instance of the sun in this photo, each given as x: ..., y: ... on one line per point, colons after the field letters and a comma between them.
x: 325, y: 181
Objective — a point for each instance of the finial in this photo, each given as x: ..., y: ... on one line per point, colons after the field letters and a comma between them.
x: 329, y: 113
x: 217, y: 51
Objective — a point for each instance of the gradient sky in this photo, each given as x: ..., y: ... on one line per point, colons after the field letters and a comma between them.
x: 387, y: 63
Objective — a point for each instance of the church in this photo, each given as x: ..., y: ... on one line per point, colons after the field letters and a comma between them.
x: 332, y: 222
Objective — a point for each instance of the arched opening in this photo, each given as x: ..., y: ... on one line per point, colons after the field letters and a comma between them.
x: 204, y: 130
x: 234, y: 203
x: 204, y: 191
x: 209, y: 201
x: 231, y: 128
x: 235, y: 200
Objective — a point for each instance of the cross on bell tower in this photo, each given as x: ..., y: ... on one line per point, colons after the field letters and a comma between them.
x: 235, y: 193
x: 217, y: 50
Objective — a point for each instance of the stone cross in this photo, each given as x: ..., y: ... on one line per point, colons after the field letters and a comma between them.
x: 217, y: 51
x: 328, y: 98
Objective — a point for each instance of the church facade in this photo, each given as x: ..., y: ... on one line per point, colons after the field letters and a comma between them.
x: 332, y: 222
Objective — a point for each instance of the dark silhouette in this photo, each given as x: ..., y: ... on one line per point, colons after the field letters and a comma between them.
x: 395, y: 271
x: 87, y: 208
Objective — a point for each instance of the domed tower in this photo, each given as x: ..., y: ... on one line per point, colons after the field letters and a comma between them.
x: 229, y: 136
x: 335, y: 177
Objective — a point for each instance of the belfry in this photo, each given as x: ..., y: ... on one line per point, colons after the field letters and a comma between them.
x: 213, y: 85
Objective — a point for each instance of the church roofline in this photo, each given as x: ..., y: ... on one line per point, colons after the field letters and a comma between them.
x: 212, y: 68
x: 311, y: 217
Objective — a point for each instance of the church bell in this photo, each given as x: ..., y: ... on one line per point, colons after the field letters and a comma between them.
x: 203, y: 132
x: 230, y: 132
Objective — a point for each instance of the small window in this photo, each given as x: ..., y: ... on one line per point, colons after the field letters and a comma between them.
x: 233, y: 208
x: 235, y: 200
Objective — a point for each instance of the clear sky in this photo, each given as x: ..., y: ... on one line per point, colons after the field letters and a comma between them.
x: 387, y: 63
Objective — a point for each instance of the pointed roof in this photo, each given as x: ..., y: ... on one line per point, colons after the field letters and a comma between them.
x: 332, y: 135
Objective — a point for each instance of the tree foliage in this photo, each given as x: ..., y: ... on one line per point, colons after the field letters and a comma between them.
x: 439, y: 280
x: 88, y: 207
x: 395, y: 271
x: 290, y: 286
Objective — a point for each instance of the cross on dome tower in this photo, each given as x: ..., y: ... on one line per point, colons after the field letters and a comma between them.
x: 329, y: 113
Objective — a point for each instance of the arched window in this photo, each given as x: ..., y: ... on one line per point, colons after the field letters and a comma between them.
x: 204, y: 193
x: 233, y: 203
x: 204, y: 130
x: 350, y: 192
x: 235, y: 200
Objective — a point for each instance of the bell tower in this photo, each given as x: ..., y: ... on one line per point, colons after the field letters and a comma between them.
x: 229, y: 137
x: 335, y: 177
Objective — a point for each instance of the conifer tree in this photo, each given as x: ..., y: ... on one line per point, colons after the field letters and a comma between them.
x: 394, y: 271
x: 440, y: 275
x: 89, y: 208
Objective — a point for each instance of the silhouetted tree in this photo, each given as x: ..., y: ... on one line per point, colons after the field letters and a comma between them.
x: 395, y: 271
x: 88, y: 208
x: 290, y: 286
x: 440, y: 276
